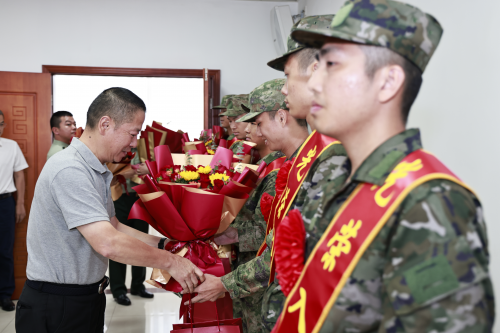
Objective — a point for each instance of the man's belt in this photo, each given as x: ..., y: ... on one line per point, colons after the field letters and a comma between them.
x: 69, y: 289
x: 5, y: 195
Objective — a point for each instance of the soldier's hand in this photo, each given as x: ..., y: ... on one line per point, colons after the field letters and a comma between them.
x: 210, y: 290
x: 229, y: 236
x: 185, y: 272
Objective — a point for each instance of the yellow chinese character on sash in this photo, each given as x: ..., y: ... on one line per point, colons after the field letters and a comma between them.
x: 342, y: 244
x: 282, y: 202
x: 305, y: 162
x: 400, y: 171
x: 300, y: 305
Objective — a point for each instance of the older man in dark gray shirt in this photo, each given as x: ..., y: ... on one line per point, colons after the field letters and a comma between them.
x: 72, y: 228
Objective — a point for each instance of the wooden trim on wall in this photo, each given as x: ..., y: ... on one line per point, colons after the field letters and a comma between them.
x: 211, y: 91
x: 119, y: 71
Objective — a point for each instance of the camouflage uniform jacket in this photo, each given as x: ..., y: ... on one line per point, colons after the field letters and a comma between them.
x: 254, y: 275
x: 237, y: 148
x: 229, y: 138
x: 427, y: 270
x: 326, y: 170
x: 250, y: 222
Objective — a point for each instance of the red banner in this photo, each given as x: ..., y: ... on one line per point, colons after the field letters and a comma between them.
x: 312, y: 148
x: 351, y: 231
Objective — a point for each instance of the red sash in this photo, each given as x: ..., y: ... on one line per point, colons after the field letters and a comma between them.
x: 232, y: 142
x: 274, y: 165
x: 312, y: 148
x: 351, y: 231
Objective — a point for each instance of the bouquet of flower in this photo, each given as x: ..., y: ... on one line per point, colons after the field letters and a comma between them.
x: 189, y: 205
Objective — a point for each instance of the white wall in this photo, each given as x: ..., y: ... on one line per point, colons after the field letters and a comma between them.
x: 458, y: 108
x: 233, y: 36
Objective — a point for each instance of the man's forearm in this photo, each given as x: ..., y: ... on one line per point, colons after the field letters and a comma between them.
x: 20, y: 186
x: 142, y: 236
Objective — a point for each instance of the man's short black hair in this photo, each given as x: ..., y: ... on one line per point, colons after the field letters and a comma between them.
x: 55, y: 120
x: 1, y: 113
x: 119, y: 104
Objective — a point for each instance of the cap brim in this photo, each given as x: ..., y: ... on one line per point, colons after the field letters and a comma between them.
x: 317, y: 38
x: 219, y: 107
x: 250, y: 117
x: 279, y: 63
x: 246, y: 108
x: 223, y: 114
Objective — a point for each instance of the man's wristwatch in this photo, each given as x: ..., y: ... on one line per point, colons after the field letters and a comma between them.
x: 161, y: 243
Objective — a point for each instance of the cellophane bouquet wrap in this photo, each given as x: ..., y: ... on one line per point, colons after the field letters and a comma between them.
x: 189, y: 205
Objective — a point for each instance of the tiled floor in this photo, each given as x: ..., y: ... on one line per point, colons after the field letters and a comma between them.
x: 144, y: 315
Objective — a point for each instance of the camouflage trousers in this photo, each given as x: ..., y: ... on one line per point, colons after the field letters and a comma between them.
x: 272, y: 305
x: 248, y: 308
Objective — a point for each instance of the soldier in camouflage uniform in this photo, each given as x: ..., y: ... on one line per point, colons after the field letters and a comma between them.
x: 235, y: 112
x: 298, y: 65
x: 250, y: 223
x: 224, y: 121
x: 439, y: 225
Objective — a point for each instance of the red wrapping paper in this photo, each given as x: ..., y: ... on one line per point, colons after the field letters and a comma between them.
x: 173, y: 140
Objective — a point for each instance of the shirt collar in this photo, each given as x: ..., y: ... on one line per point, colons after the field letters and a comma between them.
x: 271, y: 157
x: 376, y: 167
x: 88, y: 156
x: 60, y: 143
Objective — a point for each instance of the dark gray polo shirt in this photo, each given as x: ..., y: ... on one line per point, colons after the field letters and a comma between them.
x: 72, y: 190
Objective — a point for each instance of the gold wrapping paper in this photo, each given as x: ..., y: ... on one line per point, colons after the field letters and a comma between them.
x: 141, y: 150
x: 151, y: 140
x: 199, y: 160
x: 118, y: 169
x: 179, y: 159
x: 191, y: 146
x: 162, y: 276
x: 239, y: 167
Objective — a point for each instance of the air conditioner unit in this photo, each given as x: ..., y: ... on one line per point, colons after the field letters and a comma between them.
x: 281, y: 24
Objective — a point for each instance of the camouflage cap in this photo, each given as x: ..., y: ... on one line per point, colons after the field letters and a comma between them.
x: 265, y: 98
x: 397, y: 26
x: 223, y: 103
x: 310, y: 23
x: 234, y: 108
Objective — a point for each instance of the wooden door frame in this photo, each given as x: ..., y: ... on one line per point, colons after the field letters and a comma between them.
x: 213, y: 78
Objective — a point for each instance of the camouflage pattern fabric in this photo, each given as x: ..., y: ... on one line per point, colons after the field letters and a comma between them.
x: 325, y: 171
x: 310, y: 22
x: 233, y: 108
x: 251, y: 227
x: 237, y: 148
x: 265, y: 98
x: 397, y: 26
x: 224, y: 102
x: 438, y: 226
x: 229, y: 138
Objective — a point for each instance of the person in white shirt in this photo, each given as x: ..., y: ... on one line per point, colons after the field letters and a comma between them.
x: 12, y: 164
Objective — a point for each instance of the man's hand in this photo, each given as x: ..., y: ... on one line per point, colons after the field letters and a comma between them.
x: 229, y: 236
x: 20, y: 212
x: 142, y: 169
x: 210, y: 290
x: 185, y: 272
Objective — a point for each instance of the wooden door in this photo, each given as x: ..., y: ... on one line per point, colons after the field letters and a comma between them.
x: 25, y: 100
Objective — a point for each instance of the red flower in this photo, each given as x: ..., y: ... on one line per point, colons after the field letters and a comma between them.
x: 282, y: 177
x: 177, y: 168
x: 265, y: 205
x: 218, y: 185
x: 190, y: 168
x: 204, y: 180
x: 289, y: 250
x: 221, y: 168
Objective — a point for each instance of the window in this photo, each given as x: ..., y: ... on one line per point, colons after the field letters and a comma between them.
x: 178, y: 103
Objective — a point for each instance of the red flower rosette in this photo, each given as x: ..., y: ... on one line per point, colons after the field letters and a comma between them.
x: 289, y: 250
x: 282, y: 177
x: 266, y: 201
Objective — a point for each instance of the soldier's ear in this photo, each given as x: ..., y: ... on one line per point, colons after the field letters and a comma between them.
x: 282, y: 117
x: 391, y: 81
